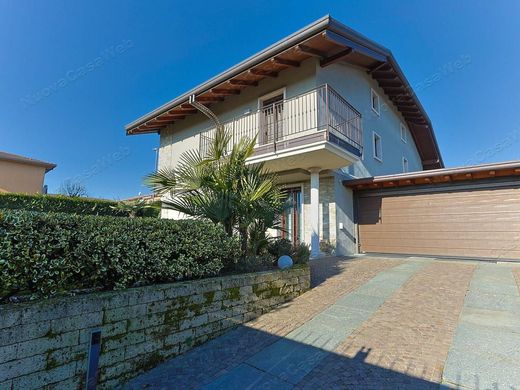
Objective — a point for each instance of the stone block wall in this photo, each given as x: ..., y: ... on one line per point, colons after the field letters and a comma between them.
x: 46, y: 343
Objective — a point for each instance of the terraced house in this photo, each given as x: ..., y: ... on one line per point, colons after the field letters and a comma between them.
x: 329, y: 107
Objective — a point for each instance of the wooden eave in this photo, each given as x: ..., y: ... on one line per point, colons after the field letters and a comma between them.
x: 438, y: 176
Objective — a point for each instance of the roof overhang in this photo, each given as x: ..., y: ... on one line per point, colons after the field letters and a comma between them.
x: 328, y: 40
x: 437, y: 176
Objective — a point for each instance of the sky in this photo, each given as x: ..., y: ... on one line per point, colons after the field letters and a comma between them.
x: 74, y: 73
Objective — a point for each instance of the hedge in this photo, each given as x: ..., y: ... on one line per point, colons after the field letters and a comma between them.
x: 60, y: 204
x: 44, y: 254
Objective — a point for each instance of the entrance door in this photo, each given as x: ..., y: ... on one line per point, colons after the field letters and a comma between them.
x: 291, y: 218
x: 271, y: 119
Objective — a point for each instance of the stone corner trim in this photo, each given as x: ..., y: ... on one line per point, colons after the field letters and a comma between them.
x: 47, y: 342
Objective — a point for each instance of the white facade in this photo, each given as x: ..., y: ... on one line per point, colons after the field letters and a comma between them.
x: 327, y: 204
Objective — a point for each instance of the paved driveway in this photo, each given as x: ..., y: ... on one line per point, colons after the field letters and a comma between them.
x: 370, y: 322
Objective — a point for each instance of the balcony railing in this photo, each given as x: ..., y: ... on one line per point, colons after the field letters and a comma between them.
x: 319, y: 114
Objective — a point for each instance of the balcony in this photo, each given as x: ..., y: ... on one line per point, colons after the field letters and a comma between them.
x: 317, y: 129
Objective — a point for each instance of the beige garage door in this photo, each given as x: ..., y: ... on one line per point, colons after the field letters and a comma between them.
x: 469, y: 223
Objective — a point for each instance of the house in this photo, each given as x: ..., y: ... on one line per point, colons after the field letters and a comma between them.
x: 329, y: 107
x: 22, y: 174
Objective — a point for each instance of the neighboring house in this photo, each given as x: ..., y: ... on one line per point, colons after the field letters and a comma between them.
x: 22, y: 174
x: 328, y: 106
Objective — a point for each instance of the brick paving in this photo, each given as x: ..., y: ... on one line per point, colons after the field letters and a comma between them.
x: 371, y: 323
x: 406, y: 342
x: 332, y: 278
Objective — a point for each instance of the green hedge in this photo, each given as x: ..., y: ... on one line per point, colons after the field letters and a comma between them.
x: 60, y: 204
x: 48, y: 253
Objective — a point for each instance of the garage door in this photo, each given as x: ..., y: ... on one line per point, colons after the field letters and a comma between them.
x: 468, y: 223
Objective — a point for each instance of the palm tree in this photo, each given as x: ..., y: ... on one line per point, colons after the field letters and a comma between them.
x: 221, y: 187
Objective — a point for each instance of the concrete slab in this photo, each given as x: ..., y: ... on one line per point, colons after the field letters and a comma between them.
x: 485, y: 352
x: 491, y: 318
x: 247, y: 377
x: 289, y: 360
x: 469, y: 370
x: 360, y: 301
x: 479, y: 300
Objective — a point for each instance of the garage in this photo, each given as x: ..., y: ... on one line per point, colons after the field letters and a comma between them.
x: 471, y: 212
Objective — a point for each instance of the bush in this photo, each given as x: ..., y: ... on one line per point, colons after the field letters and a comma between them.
x: 280, y: 247
x: 300, y: 253
x: 48, y: 253
x: 327, y: 247
x: 60, y: 204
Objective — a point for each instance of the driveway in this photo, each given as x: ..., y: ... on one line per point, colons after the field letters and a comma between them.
x: 370, y: 322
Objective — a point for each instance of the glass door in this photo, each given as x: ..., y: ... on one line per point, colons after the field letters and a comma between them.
x: 291, y: 218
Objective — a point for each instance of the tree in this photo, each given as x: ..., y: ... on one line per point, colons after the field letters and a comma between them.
x: 221, y: 187
x: 70, y: 188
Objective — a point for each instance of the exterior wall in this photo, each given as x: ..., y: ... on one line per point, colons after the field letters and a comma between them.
x: 184, y: 135
x: 336, y: 202
x: 25, y: 178
x: 46, y: 343
x: 355, y: 86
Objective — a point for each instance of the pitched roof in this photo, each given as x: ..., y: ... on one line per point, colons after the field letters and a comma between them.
x: 26, y: 160
x: 328, y: 40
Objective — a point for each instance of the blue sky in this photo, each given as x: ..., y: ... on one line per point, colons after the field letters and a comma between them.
x: 72, y: 73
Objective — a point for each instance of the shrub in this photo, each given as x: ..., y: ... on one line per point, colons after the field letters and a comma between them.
x: 300, y: 253
x: 60, y: 204
x: 47, y: 253
x: 327, y: 247
x: 280, y: 247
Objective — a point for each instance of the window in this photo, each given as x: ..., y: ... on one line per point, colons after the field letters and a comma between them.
x: 405, y: 165
x: 374, y: 101
x: 378, y: 147
x: 403, y: 133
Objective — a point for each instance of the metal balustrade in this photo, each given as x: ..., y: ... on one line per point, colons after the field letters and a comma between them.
x: 275, y: 126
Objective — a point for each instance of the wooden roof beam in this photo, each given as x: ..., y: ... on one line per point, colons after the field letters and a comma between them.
x: 170, y: 117
x: 336, y: 57
x: 409, y: 110
x: 225, y: 91
x: 282, y: 61
x: 243, y: 82
x: 389, y: 83
x: 261, y: 72
x: 310, y: 51
x: 384, y: 74
x: 209, y: 98
x: 380, y: 66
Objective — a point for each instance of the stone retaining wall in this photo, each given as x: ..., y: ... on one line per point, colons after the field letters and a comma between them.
x: 47, y: 342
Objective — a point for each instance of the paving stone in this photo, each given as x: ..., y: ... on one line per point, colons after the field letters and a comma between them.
x: 334, y: 277
x: 486, y: 348
x: 405, y: 342
x: 247, y: 377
